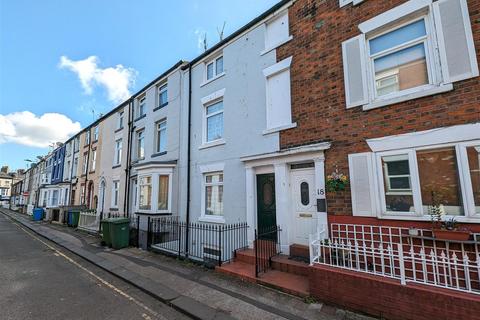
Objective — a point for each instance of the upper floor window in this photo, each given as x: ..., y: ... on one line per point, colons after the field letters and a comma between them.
x: 118, y: 152
x: 94, y: 160
x: 214, y: 68
x: 85, y: 163
x: 141, y: 105
x: 414, y: 50
x: 141, y: 144
x: 214, y: 121
x: 161, y: 137
x: 162, y: 95
x: 87, y: 137
x: 120, y: 120
x: 95, y: 133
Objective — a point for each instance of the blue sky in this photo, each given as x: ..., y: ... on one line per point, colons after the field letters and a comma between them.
x: 114, y: 46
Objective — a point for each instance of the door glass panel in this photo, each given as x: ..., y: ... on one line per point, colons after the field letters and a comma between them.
x: 473, y: 154
x: 304, y: 193
x: 267, y: 194
x: 439, y: 180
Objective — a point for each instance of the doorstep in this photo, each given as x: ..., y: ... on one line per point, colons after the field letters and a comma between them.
x: 286, y: 275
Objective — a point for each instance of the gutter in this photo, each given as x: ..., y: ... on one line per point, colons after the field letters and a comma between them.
x: 188, y: 155
x: 126, y: 200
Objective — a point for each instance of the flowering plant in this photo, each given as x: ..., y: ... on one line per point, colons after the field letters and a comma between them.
x: 336, y: 181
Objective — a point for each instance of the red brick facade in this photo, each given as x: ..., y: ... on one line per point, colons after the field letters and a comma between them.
x: 318, y: 28
x: 388, y: 299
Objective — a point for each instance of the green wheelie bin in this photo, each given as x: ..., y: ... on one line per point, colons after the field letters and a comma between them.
x: 106, y: 234
x: 120, y: 232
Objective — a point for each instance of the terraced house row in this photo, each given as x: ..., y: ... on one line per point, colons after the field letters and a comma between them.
x: 332, y: 131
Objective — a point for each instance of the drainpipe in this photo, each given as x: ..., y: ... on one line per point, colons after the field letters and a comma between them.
x: 188, y: 155
x: 126, y: 201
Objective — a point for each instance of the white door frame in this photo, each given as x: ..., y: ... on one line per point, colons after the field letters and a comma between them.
x: 281, y: 164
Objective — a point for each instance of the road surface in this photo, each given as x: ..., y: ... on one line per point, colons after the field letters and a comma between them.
x: 39, y: 280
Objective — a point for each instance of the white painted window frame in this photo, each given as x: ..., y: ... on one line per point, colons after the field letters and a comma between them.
x: 141, y: 105
x: 94, y: 160
x: 470, y: 214
x: 273, y: 46
x: 155, y: 176
x: 115, y: 193
x: 161, y: 88
x: 207, y: 102
x: 95, y: 133
x: 215, y: 75
x: 214, y: 168
x: 120, y: 120
x: 118, y: 152
x: 432, y: 62
x: 158, y: 131
x: 139, y: 135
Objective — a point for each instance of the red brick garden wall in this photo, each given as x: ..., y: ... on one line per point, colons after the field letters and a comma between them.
x: 318, y: 28
x: 387, y: 298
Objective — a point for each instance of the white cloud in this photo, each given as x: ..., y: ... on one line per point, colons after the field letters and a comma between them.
x: 28, y: 129
x: 116, y: 80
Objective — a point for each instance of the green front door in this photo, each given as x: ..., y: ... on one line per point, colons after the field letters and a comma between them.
x: 266, y: 212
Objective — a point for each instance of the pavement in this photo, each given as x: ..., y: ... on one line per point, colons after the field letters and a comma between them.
x: 193, y: 290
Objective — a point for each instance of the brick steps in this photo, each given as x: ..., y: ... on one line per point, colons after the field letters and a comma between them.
x: 286, y: 275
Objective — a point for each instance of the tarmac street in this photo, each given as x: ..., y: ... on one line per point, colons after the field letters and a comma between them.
x: 39, y: 280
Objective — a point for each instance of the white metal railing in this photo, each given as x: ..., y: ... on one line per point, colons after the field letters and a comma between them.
x: 89, y: 221
x: 410, y: 255
x: 453, y: 272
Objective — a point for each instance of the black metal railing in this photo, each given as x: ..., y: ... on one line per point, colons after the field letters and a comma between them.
x: 211, y: 244
x: 134, y: 234
x: 266, y: 245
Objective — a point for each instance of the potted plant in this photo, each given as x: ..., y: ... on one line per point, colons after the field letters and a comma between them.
x: 336, y: 181
x: 450, y: 231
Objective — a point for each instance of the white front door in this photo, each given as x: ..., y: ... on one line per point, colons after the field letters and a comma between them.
x: 303, y: 204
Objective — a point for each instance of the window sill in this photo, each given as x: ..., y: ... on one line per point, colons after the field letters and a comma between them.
x: 461, y: 219
x: 160, y: 106
x: 113, y: 209
x: 415, y: 95
x: 139, y: 118
x: 275, y: 46
x: 159, y: 154
x: 281, y: 128
x: 212, y: 219
x: 119, y: 129
x: 91, y: 171
x: 213, y: 79
x: 116, y: 166
x: 151, y: 213
x: 211, y: 144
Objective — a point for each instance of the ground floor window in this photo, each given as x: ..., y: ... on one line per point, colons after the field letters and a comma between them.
x: 154, y: 191
x: 145, y: 193
x: 213, y: 194
x: 163, y: 181
x: 416, y: 181
x: 115, y: 191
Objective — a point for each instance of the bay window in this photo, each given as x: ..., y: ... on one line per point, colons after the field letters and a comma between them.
x: 163, y: 187
x: 154, y: 191
x: 397, y: 183
x: 145, y: 193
